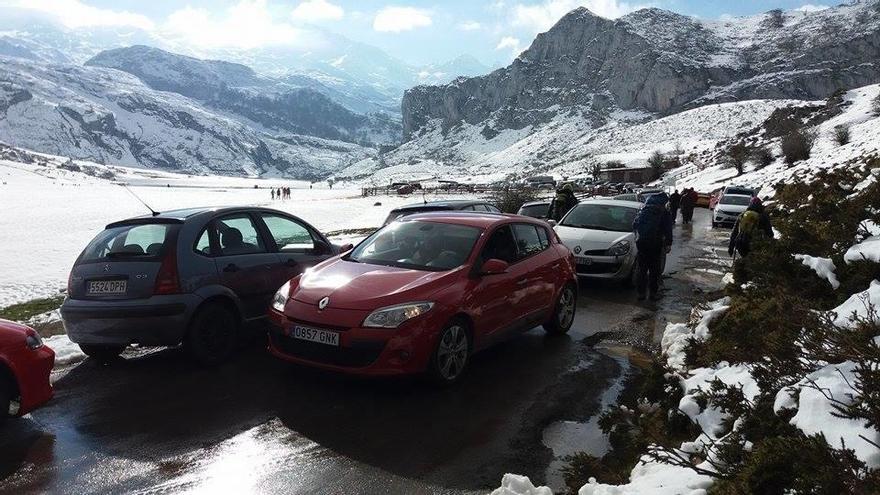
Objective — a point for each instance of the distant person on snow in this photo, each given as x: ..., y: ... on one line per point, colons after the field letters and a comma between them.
x: 653, y: 228
x: 674, y: 204
x: 753, y: 223
x: 272, y: 191
x: 564, y: 201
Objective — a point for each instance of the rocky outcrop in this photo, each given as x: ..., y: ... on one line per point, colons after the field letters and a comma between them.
x: 660, y: 62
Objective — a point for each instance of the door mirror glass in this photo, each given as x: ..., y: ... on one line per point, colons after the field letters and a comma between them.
x: 346, y: 248
x: 552, y: 222
x: 494, y: 267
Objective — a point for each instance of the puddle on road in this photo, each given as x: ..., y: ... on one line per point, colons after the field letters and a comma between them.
x: 567, y: 438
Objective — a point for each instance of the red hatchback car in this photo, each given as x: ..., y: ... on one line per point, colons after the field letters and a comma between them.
x: 425, y: 292
x: 25, y: 364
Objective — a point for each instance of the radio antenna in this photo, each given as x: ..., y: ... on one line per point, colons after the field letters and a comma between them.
x: 154, y: 212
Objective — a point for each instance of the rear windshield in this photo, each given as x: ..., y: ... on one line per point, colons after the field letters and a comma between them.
x: 536, y: 211
x: 127, y: 242
x: 395, y: 214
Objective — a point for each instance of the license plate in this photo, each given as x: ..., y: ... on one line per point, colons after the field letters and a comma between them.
x: 315, y: 335
x: 107, y: 286
x: 583, y: 261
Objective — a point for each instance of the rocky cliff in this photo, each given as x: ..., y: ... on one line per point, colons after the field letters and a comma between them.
x: 660, y: 62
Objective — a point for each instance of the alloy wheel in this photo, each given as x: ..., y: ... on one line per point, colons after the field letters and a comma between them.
x: 565, y: 314
x: 453, y: 352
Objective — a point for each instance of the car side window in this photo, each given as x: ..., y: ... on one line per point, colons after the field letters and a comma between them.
x: 501, y: 245
x: 203, y: 245
x: 543, y: 237
x: 238, y: 235
x: 527, y: 240
x: 468, y: 208
x: 492, y: 209
x: 290, y: 236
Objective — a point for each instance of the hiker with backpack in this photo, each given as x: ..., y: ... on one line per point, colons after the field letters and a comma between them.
x: 688, y: 203
x: 653, y: 228
x: 674, y: 203
x: 753, y: 223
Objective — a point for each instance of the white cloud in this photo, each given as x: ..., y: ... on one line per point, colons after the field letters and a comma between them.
x: 469, y: 26
x: 76, y: 14
x: 247, y: 24
x: 317, y: 10
x: 397, y: 19
x: 538, y: 17
x: 811, y: 8
x: 509, y: 42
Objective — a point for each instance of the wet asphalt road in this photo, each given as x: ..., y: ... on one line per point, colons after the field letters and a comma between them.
x: 157, y: 424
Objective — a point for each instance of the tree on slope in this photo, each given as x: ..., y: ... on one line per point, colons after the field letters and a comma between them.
x: 656, y: 163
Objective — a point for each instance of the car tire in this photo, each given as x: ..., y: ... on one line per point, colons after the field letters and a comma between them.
x: 563, y: 312
x: 450, y: 357
x: 213, y: 335
x: 5, y: 397
x: 102, y: 353
x: 714, y: 225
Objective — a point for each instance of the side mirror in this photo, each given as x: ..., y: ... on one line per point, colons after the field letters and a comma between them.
x: 346, y: 248
x: 494, y: 267
x: 551, y: 222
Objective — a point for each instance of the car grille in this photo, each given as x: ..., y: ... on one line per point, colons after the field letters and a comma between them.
x: 357, y: 355
x: 597, y: 268
x: 594, y: 252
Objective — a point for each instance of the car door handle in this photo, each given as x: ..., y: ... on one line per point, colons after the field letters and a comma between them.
x: 291, y: 262
x: 230, y: 268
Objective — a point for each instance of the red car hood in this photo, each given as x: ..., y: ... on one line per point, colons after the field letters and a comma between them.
x: 362, y: 286
x: 12, y: 328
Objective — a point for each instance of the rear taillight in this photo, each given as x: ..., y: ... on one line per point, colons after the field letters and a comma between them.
x: 168, y: 280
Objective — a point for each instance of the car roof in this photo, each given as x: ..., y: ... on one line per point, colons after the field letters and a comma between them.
x: 611, y: 202
x: 183, y: 214
x: 450, y: 203
x: 483, y: 220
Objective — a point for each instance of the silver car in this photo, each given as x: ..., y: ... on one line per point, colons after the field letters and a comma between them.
x: 192, y: 276
x: 729, y: 208
x: 599, y: 233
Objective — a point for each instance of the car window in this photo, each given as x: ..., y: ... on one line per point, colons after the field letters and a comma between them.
x: 501, y: 246
x: 143, y: 241
x: 239, y: 235
x: 203, y: 245
x: 290, y: 236
x: 527, y: 240
x: 543, y: 237
x: 492, y: 208
x: 728, y: 199
x: 468, y: 208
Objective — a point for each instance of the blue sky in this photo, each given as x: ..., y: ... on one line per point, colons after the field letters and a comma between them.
x: 417, y: 31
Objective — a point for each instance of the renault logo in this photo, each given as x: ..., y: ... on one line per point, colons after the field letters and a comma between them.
x: 323, y: 303
x: 577, y: 250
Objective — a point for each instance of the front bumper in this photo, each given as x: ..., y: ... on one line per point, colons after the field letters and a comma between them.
x: 154, y: 321
x: 605, y: 267
x: 724, y: 218
x: 32, y: 369
x: 361, y: 351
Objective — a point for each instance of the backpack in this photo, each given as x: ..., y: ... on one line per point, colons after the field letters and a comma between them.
x: 649, y: 225
x: 748, y: 226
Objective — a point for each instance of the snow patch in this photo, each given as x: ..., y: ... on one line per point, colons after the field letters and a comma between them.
x: 823, y: 267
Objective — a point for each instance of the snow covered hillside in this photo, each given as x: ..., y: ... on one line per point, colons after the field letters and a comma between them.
x: 53, y: 208
x: 109, y: 116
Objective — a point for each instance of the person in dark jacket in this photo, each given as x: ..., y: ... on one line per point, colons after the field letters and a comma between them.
x: 754, y: 222
x: 564, y: 201
x: 688, y: 203
x: 653, y: 228
x: 674, y: 203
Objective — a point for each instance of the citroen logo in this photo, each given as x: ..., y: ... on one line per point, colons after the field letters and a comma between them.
x: 577, y: 250
x: 323, y: 303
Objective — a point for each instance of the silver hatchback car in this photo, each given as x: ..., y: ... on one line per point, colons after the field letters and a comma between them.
x: 192, y: 276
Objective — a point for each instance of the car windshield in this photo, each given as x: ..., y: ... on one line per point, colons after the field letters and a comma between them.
x: 142, y: 242
x: 418, y: 245
x: 601, y: 217
x: 738, y: 190
x: 735, y: 200
x: 535, y: 211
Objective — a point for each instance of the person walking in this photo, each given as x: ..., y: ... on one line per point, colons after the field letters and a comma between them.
x: 653, y: 229
x: 688, y: 203
x: 752, y: 223
x: 564, y: 201
x: 272, y: 192
x: 674, y: 203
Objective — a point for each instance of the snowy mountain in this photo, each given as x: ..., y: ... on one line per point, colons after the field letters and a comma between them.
x: 237, y: 89
x: 589, y: 75
x: 109, y: 116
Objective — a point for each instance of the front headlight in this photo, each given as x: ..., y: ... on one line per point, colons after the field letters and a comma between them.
x: 279, y: 300
x: 394, y: 316
x: 619, y: 248
x: 33, y: 340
